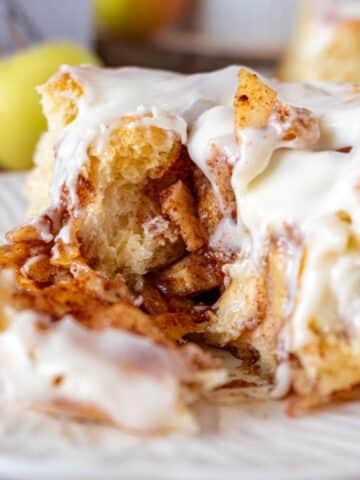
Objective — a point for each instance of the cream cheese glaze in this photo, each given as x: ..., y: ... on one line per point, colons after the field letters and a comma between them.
x: 303, y: 183
x: 197, y: 107
x: 136, y: 385
x: 307, y: 180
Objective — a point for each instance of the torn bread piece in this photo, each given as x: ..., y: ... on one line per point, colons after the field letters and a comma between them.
x: 218, y: 208
x: 76, y: 344
x: 112, y: 376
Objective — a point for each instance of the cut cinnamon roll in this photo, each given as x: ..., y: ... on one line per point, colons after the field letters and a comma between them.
x: 168, y: 210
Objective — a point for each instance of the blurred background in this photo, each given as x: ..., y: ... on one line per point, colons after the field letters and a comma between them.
x: 297, y: 40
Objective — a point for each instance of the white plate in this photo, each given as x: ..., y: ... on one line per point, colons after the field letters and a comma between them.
x: 254, y: 441
x: 12, y: 200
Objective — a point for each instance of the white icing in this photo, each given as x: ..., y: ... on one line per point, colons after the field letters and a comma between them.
x: 199, y: 108
x: 336, y: 106
x: 215, y: 123
x: 346, y: 271
x: 298, y: 187
x: 282, y: 381
x: 128, y: 377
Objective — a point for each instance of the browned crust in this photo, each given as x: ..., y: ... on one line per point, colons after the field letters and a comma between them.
x: 254, y: 101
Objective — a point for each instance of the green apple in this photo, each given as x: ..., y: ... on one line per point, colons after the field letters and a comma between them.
x: 132, y: 19
x: 21, y: 119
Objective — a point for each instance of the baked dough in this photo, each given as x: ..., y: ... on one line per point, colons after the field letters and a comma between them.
x: 218, y: 208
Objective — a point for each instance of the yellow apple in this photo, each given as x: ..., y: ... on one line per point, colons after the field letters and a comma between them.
x: 21, y: 119
x: 133, y: 19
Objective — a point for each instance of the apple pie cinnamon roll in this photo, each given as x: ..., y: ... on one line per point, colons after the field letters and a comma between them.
x: 326, y: 44
x: 167, y: 211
